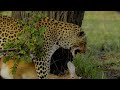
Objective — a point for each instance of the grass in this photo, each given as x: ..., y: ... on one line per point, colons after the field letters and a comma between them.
x: 87, y: 67
x: 103, y: 40
x: 8, y: 13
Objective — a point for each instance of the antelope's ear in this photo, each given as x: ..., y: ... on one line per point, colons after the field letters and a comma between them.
x: 81, y: 33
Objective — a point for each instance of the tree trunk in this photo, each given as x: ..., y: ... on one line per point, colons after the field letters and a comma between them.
x: 75, y: 17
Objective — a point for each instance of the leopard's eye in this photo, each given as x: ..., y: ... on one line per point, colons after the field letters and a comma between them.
x: 81, y: 33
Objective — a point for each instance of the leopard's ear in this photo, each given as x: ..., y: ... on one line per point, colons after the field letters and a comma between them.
x: 81, y: 33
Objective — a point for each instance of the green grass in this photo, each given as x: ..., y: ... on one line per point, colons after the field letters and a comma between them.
x: 8, y: 13
x: 87, y: 67
x: 103, y: 32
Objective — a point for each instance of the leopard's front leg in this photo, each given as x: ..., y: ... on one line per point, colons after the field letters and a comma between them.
x: 43, y: 65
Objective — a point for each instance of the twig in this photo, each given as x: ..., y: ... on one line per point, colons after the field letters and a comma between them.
x: 5, y: 51
x: 8, y: 50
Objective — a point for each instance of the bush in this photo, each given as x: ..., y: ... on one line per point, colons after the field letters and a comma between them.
x: 28, y: 45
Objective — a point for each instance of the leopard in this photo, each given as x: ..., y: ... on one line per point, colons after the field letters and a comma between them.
x: 58, y: 34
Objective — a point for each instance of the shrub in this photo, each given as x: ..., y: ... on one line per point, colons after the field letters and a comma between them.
x: 28, y: 45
